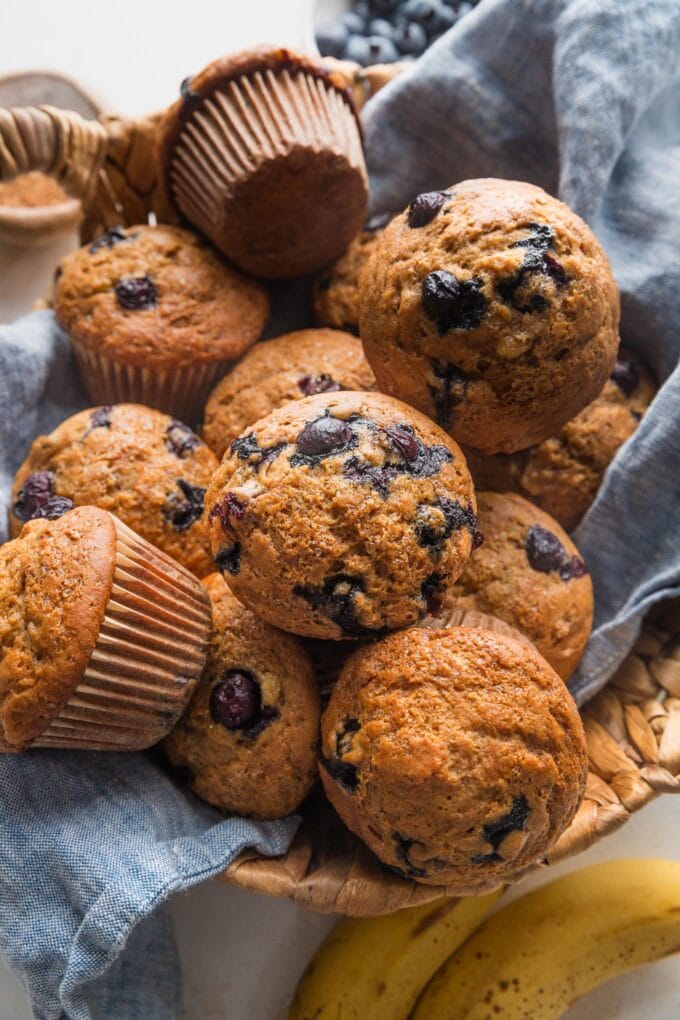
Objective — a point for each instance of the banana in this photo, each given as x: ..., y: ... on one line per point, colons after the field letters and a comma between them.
x: 542, y: 952
x: 374, y: 968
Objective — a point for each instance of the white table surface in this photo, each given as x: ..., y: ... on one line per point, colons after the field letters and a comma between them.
x: 242, y: 954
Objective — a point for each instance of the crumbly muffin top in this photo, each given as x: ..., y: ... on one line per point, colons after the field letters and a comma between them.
x: 336, y: 291
x: 158, y: 297
x: 563, y: 474
x: 528, y: 572
x: 55, y: 582
x: 457, y: 755
x: 248, y: 740
x: 490, y: 306
x: 272, y: 373
x: 142, y: 465
x: 342, y: 515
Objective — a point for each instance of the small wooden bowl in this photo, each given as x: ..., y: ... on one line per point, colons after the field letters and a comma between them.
x: 633, y: 733
x: 38, y: 225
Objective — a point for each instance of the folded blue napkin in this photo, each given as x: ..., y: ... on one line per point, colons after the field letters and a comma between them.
x: 581, y: 97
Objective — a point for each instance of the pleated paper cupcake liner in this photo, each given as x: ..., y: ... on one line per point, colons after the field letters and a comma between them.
x: 252, y: 121
x: 148, y: 658
x: 181, y: 392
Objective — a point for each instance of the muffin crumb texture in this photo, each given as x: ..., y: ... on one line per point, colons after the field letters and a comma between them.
x: 427, y: 758
x: 491, y: 307
x: 247, y: 743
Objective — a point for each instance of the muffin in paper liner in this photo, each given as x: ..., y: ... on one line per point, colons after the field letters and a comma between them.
x: 116, y: 669
x: 181, y: 391
x: 263, y: 154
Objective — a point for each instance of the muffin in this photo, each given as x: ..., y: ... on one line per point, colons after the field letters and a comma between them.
x: 457, y: 755
x: 563, y: 474
x: 102, y: 637
x: 336, y: 291
x: 491, y: 307
x: 529, y: 573
x: 155, y: 317
x: 342, y: 515
x: 147, y: 468
x: 262, y: 153
x: 291, y: 367
x: 248, y: 741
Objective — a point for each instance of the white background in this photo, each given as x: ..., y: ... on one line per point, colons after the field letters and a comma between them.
x: 241, y: 953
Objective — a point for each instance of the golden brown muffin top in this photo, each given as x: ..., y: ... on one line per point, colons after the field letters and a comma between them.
x: 490, y: 306
x: 457, y: 755
x: 248, y: 740
x: 149, y: 469
x: 55, y: 582
x: 342, y: 515
x: 275, y: 372
x: 158, y: 297
x: 563, y: 474
x: 528, y: 572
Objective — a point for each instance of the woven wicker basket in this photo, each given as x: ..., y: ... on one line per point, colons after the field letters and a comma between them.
x: 111, y: 164
x: 633, y: 725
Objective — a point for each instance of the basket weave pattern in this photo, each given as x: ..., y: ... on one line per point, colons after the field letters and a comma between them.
x: 633, y: 733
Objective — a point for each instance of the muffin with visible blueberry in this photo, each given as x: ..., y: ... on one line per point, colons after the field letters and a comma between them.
x: 155, y: 316
x: 149, y: 469
x: 457, y: 755
x: 563, y: 474
x: 491, y: 307
x: 529, y: 573
x: 342, y: 515
x: 273, y: 373
x: 336, y: 291
x: 248, y: 741
x: 102, y: 636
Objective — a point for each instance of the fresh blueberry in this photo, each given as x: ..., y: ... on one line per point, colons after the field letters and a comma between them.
x: 451, y: 303
x: 410, y: 38
x: 332, y: 39
x: 379, y: 26
x: 353, y: 22
x: 357, y: 49
x: 423, y: 12
x: 381, y: 50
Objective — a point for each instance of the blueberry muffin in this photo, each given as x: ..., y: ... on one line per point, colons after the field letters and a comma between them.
x: 529, y: 573
x: 155, y: 316
x: 248, y: 742
x: 288, y: 368
x: 457, y: 755
x: 147, y: 468
x: 342, y: 515
x: 563, y: 474
x: 284, y: 187
x: 336, y: 291
x: 102, y: 636
x: 491, y: 307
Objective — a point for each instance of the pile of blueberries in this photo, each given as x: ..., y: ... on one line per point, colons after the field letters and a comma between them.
x: 382, y: 31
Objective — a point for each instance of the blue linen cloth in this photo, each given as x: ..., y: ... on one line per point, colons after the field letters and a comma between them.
x: 581, y: 97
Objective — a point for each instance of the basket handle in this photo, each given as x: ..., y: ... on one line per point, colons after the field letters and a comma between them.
x: 58, y: 142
